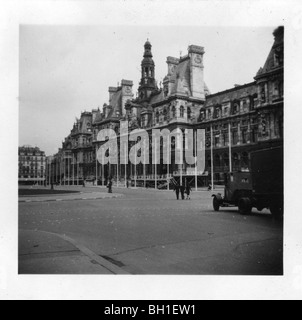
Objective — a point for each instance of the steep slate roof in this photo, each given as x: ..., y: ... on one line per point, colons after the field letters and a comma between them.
x: 99, y: 117
x: 269, y: 63
x: 157, y: 97
x: 231, y: 94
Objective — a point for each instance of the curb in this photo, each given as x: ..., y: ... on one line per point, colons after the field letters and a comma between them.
x: 79, y: 199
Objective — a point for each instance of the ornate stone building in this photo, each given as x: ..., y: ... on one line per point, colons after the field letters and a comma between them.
x: 32, y: 165
x: 237, y: 121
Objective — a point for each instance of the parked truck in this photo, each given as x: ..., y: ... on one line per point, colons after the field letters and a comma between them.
x: 260, y: 188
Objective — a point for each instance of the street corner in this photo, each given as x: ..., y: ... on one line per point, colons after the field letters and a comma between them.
x: 37, y: 242
x: 48, y: 253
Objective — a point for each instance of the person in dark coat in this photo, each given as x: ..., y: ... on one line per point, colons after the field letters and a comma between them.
x: 182, y: 191
x: 177, y: 189
x: 109, y: 186
x: 188, y: 191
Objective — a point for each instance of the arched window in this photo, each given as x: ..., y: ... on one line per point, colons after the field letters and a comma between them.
x: 236, y: 108
x: 182, y: 111
x: 217, y: 113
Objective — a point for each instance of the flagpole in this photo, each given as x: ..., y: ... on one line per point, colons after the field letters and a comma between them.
x: 168, y: 173
x: 77, y: 170
x: 196, y: 181
x: 212, y: 158
x: 60, y: 168
x: 117, y: 171
x: 103, y: 176
x: 125, y: 167
x: 155, y: 168
x: 64, y: 168
x: 144, y: 166
x: 230, y: 148
x: 96, y: 165
x: 135, y: 172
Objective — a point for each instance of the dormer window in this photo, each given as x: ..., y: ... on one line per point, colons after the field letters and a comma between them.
x: 236, y: 108
x: 217, y: 112
x: 209, y: 114
x: 202, y: 115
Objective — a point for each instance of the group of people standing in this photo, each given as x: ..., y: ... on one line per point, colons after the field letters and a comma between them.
x: 182, y: 190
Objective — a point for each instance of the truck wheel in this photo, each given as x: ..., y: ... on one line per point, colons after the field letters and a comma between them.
x: 216, y: 204
x: 245, y: 206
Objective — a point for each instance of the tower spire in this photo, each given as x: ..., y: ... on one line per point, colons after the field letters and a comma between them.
x: 147, y: 84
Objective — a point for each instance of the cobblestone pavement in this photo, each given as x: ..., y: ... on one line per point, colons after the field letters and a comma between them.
x: 149, y: 232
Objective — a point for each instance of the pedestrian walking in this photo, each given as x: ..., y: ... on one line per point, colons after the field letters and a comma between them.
x: 177, y: 189
x: 188, y: 190
x: 109, y: 186
x: 182, y: 191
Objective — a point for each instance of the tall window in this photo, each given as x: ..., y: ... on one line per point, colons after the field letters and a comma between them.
x: 217, y: 140
x: 226, y: 161
x: 225, y: 139
x: 235, y: 108
x: 182, y: 111
x: 254, y: 135
x: 157, y: 117
x: 217, y: 113
x: 235, y: 137
x: 173, y: 112
x: 244, y: 136
x: 236, y: 159
x: 245, y: 159
x: 189, y: 113
x: 165, y: 114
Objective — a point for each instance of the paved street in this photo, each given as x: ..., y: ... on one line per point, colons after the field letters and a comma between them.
x: 145, y: 232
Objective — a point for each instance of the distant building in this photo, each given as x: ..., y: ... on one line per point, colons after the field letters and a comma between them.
x: 237, y: 121
x: 32, y: 165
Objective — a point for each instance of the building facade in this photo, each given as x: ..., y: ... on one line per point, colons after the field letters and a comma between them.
x: 237, y: 121
x: 32, y: 165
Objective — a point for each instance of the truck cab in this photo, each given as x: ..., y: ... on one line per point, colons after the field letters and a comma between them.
x: 237, y: 192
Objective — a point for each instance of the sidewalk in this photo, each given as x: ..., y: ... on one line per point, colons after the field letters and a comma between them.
x: 48, y: 253
x: 84, y: 194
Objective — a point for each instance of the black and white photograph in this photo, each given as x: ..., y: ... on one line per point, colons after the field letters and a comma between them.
x: 154, y: 149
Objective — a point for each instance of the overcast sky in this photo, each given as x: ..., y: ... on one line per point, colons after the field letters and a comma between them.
x: 65, y: 70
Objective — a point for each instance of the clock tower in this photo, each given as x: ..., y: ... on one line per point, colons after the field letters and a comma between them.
x: 147, y: 83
